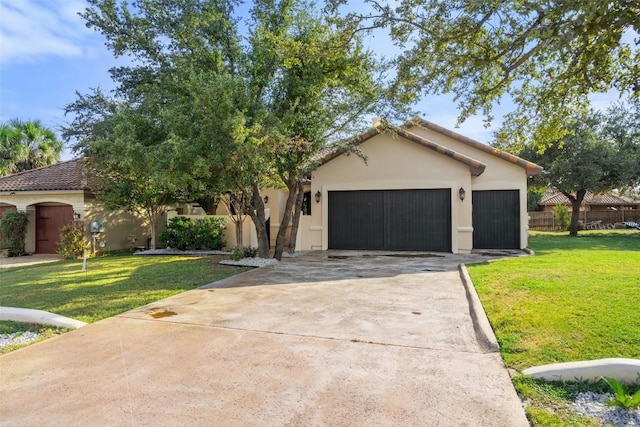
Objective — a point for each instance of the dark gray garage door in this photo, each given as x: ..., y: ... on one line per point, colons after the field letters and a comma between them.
x: 496, y: 219
x: 396, y: 220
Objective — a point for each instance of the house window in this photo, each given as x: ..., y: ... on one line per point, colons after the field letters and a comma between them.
x: 306, y: 203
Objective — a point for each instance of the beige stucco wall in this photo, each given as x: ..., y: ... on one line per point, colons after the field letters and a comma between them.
x: 393, y: 164
x: 499, y: 174
x: 26, y: 201
x: 118, y: 224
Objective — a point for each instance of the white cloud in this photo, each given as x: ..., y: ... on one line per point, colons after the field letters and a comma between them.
x: 31, y: 29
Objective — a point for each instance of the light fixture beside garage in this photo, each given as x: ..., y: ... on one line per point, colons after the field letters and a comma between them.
x: 462, y: 193
x: 318, y: 196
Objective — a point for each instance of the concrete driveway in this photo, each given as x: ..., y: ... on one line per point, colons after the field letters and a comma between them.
x: 330, y: 338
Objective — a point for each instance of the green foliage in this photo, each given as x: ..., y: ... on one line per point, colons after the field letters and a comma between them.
x: 621, y: 396
x: 72, y: 243
x: 597, y: 155
x: 13, y: 225
x: 534, y: 196
x: 546, y: 56
x: 246, y: 95
x: 27, y: 145
x: 561, y: 213
x: 240, y: 252
x: 187, y: 234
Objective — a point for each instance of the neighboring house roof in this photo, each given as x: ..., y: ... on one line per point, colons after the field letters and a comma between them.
x: 552, y: 197
x: 67, y: 175
x: 476, y: 167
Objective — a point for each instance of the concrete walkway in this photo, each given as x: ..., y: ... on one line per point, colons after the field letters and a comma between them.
x: 325, y: 339
x: 6, y: 262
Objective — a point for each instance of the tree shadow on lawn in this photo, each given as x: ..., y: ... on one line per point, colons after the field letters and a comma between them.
x: 96, y: 294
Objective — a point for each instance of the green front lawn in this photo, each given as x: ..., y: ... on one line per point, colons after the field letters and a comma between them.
x: 111, y: 284
x: 578, y: 298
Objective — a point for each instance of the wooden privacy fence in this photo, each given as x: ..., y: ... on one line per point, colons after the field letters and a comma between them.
x: 545, y: 221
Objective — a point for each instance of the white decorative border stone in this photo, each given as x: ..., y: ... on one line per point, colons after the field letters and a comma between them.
x: 626, y: 371
x: 27, y: 315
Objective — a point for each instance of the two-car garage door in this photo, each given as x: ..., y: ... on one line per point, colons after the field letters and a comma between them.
x: 396, y: 220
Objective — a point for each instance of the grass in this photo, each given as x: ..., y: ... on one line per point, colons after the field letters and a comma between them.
x: 44, y: 332
x: 111, y: 284
x: 576, y: 299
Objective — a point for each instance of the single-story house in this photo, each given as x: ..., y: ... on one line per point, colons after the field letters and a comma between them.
x: 56, y: 195
x: 592, y: 202
x: 421, y: 188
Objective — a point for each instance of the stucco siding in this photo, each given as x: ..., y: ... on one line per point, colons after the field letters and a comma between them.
x: 393, y: 163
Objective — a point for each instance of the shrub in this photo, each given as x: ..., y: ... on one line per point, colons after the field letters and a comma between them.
x: 13, y: 225
x: 186, y: 234
x: 561, y: 212
x: 240, y: 252
x: 621, y: 396
x: 72, y: 244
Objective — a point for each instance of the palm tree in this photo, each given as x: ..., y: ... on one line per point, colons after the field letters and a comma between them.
x: 27, y: 145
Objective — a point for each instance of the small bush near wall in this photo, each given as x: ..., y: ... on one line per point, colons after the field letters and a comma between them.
x: 188, y: 234
x: 72, y: 243
x: 561, y: 212
x: 13, y: 225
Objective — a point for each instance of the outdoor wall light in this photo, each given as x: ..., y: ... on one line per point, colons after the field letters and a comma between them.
x: 318, y: 196
x: 76, y: 215
x: 266, y: 199
x: 462, y: 193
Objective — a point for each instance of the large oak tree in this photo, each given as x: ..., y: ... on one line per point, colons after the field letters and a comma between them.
x: 546, y: 56
x: 249, y: 94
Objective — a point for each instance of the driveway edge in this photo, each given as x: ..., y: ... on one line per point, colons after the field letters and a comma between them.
x: 484, y: 333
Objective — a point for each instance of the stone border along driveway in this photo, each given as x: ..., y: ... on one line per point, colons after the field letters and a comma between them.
x: 329, y: 338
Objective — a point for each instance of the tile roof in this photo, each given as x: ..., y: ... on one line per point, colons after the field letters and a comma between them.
x: 532, y: 168
x: 403, y: 130
x: 557, y: 198
x: 67, y: 175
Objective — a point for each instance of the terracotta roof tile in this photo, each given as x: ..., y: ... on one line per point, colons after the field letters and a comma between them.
x: 532, y: 168
x: 555, y: 197
x: 68, y: 175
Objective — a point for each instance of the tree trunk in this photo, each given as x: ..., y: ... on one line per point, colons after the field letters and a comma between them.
x: 259, y: 220
x: 295, y: 223
x: 209, y: 204
x: 576, y: 202
x: 292, y: 186
x: 238, y: 223
x: 153, y: 221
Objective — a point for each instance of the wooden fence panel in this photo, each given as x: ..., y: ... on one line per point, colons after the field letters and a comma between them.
x: 545, y: 221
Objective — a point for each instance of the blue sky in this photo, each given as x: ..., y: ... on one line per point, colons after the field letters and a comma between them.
x: 47, y: 54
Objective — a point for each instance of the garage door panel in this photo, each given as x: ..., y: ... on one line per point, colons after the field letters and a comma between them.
x: 496, y: 219
x: 418, y: 220
x: 356, y: 219
x: 390, y: 220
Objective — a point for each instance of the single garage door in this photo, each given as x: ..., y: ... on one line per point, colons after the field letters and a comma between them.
x: 49, y: 220
x: 395, y: 220
x: 496, y: 219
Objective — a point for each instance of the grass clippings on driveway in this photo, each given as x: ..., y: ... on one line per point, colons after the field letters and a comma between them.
x: 576, y: 299
x: 111, y: 284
